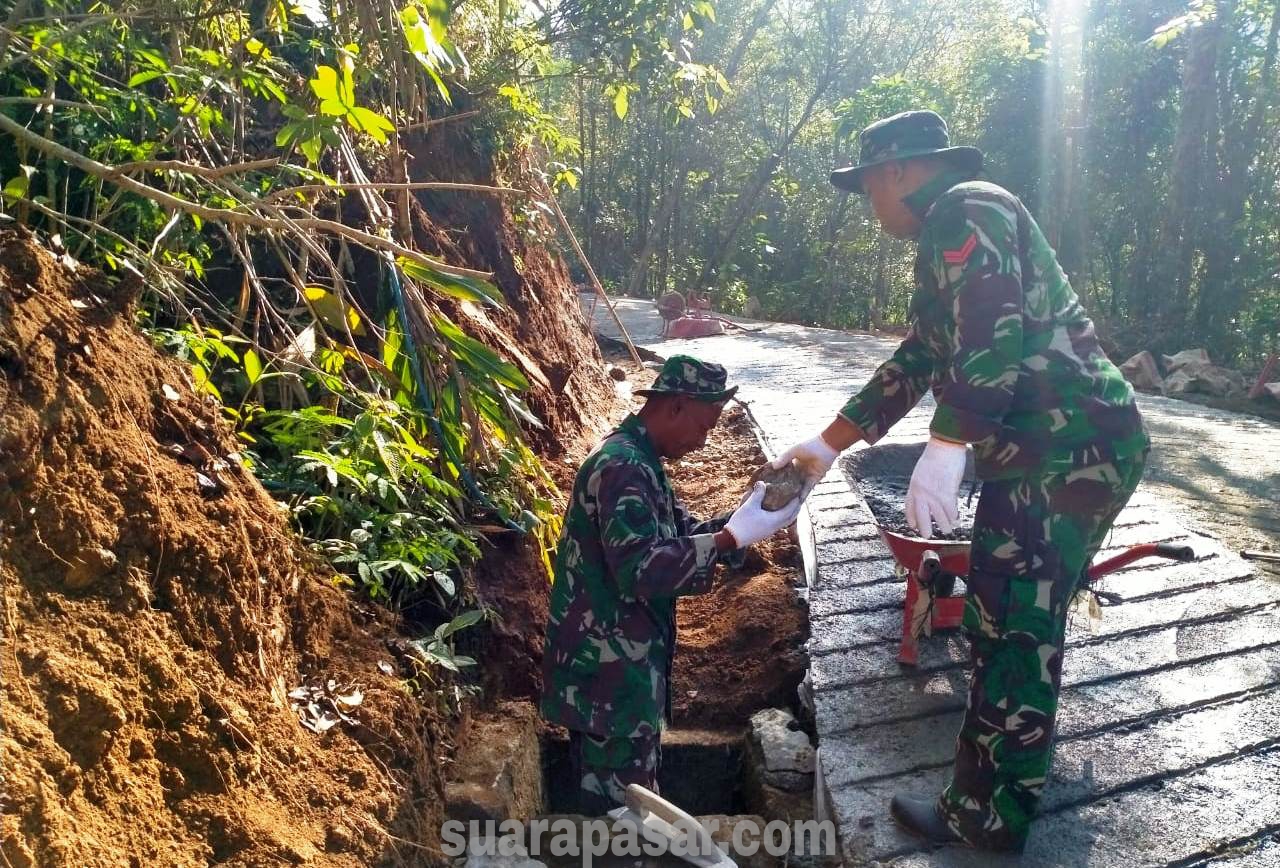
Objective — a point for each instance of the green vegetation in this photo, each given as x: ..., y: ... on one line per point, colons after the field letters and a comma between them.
x: 1143, y: 135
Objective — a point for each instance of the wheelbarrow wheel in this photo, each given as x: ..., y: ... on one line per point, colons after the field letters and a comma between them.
x: 944, y: 585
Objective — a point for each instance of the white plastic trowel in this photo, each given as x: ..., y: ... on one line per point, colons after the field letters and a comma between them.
x: 688, y: 839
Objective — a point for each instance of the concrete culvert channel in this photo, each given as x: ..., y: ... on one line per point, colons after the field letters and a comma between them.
x: 752, y: 790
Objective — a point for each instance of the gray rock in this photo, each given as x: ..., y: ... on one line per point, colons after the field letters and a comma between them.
x: 1179, y: 383
x: 1221, y: 382
x: 1192, y: 360
x: 781, y: 486
x: 788, y: 756
x: 1207, y: 380
x: 1142, y: 372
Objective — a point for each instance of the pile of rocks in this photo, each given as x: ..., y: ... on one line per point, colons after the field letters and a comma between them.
x: 1188, y: 371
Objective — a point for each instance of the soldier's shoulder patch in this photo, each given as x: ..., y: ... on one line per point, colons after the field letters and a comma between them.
x: 961, y: 254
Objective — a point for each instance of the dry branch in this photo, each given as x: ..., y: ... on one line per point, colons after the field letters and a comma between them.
x: 112, y: 175
x: 412, y: 185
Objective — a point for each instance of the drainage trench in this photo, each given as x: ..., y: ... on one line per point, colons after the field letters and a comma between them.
x: 740, y: 754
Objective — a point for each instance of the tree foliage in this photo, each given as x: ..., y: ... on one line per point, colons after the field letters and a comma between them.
x: 1142, y: 135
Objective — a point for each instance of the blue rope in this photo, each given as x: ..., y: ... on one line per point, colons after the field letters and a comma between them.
x: 428, y: 407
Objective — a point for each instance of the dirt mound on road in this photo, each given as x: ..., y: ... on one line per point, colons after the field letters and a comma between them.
x: 157, y: 612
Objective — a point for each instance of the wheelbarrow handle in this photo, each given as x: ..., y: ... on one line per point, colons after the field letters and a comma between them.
x: 1136, y: 553
x: 1173, y: 552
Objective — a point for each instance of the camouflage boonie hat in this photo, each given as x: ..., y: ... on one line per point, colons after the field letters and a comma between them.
x: 685, y: 375
x: 909, y: 134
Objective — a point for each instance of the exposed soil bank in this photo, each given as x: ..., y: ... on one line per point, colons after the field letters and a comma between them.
x: 155, y: 622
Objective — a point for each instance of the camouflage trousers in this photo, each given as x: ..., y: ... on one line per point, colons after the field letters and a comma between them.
x: 1032, y: 543
x: 605, y: 766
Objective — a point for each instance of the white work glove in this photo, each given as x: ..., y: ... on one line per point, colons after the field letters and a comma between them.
x: 751, y: 522
x: 935, y: 487
x: 815, y: 457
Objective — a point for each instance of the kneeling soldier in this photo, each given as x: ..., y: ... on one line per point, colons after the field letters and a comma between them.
x: 628, y: 550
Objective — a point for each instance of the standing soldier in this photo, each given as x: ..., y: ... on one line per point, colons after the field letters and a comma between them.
x: 628, y: 550
x: 1012, y: 359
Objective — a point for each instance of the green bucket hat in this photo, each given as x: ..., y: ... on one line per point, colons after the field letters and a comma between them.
x: 909, y: 134
x: 685, y: 375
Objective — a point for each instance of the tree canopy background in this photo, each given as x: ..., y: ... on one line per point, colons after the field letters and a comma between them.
x: 1143, y: 135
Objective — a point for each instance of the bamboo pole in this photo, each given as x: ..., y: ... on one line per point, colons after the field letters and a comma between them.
x: 595, y: 281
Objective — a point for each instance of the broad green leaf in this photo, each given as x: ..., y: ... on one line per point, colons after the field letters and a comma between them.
x: 252, y: 366
x: 621, y: 102
x: 143, y: 77
x: 462, y: 622
x: 152, y: 58
x: 287, y: 134
x: 331, y: 310
x: 328, y: 89
x: 479, y: 358
x: 16, y: 187
x: 202, y: 383
x: 368, y: 121
x: 428, y: 42
x: 311, y: 148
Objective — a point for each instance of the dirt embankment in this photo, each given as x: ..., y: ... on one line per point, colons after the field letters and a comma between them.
x: 741, y: 646
x: 157, y: 612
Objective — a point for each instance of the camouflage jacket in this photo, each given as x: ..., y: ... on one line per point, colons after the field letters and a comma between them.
x: 1000, y: 337
x: 628, y: 550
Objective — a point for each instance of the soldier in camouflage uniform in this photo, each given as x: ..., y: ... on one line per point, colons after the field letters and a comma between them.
x: 628, y: 550
x: 1012, y: 359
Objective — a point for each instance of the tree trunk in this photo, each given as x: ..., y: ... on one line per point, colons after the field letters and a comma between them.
x: 1221, y: 296
x: 1169, y: 275
x: 670, y: 196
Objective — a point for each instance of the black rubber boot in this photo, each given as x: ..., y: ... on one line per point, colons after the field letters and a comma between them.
x: 920, y: 816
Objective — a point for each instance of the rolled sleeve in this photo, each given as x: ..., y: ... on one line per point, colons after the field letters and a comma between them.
x: 893, y: 389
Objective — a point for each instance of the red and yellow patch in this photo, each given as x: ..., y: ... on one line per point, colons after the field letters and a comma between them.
x: 961, y: 254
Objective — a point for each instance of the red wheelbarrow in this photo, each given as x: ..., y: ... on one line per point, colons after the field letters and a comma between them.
x: 932, y: 567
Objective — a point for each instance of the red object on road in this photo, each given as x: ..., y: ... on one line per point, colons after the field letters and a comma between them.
x: 1268, y: 371
x: 932, y: 566
x: 689, y: 318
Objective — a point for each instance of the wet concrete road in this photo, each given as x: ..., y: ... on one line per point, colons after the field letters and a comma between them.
x: 1169, y: 733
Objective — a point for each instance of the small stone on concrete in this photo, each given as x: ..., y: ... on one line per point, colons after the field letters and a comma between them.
x: 785, y: 749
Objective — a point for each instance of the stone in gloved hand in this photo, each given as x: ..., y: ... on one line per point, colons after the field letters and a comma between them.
x: 782, y: 485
